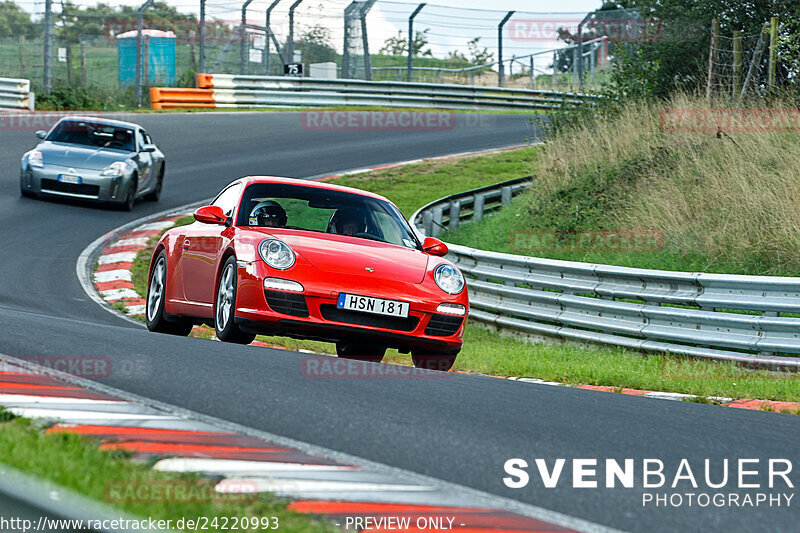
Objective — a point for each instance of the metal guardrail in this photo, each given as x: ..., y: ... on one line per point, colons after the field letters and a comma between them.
x: 16, y: 94
x: 686, y: 313
x: 226, y: 90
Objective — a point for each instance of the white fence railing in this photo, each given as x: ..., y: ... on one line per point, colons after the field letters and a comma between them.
x: 16, y: 94
x: 744, y: 319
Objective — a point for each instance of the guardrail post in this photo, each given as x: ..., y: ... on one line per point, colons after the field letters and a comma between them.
x: 139, y: 23
x: 455, y: 213
x: 437, y: 221
x: 427, y: 222
x: 501, y: 75
x: 409, y: 75
x: 269, y: 35
x: 477, y: 207
x: 505, y: 195
x: 773, y: 51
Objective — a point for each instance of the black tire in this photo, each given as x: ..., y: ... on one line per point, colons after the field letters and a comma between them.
x: 432, y: 360
x: 28, y: 194
x: 225, y: 307
x: 360, y: 352
x: 154, y: 304
x: 130, y: 196
x: 156, y: 194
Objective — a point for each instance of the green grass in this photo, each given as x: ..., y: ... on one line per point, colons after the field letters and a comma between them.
x: 412, y: 186
x: 76, y: 463
x: 488, y: 353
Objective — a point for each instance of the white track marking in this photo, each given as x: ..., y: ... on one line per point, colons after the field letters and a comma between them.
x: 122, y: 257
x: 112, y: 275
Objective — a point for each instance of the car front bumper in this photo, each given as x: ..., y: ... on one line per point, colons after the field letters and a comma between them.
x: 92, y: 186
x: 313, y: 313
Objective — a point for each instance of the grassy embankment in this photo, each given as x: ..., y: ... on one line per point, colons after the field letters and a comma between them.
x: 414, y: 185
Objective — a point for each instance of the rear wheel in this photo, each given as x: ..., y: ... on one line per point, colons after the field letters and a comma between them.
x: 432, y: 360
x: 360, y: 352
x: 156, y: 296
x: 225, y: 307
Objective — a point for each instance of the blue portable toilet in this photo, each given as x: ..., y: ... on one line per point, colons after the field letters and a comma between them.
x: 158, y: 55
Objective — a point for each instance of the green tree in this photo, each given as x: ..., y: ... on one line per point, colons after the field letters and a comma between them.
x: 315, y: 43
x: 15, y: 22
x: 398, y: 45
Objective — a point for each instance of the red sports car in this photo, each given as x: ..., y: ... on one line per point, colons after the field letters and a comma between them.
x: 281, y: 256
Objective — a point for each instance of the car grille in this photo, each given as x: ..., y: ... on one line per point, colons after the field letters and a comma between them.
x: 287, y: 303
x: 443, y: 325
x: 71, y: 188
x: 333, y: 313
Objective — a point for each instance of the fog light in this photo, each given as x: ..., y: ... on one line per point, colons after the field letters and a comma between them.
x: 451, y: 309
x: 279, y: 284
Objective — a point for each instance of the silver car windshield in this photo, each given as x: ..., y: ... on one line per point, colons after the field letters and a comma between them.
x: 92, y: 134
x: 325, y: 211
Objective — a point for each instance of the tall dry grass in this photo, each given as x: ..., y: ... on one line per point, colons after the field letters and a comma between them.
x: 734, y: 198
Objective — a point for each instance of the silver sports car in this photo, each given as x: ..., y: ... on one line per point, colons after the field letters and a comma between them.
x: 94, y: 159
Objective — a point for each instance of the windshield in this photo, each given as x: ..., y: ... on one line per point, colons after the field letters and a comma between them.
x: 91, y: 134
x: 324, y: 211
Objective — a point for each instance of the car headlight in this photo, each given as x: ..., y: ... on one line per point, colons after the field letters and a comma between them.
x: 449, y: 278
x: 117, y: 168
x: 35, y: 159
x: 276, y: 254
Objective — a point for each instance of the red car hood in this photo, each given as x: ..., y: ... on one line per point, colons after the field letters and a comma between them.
x: 339, y: 254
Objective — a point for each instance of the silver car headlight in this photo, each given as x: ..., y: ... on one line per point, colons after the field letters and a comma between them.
x: 35, y: 159
x: 449, y: 278
x: 115, y: 169
x: 276, y: 254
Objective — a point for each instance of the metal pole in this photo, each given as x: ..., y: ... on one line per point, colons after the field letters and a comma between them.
x: 501, y: 74
x: 202, y: 35
x: 580, y: 56
x: 364, y: 41
x: 290, y: 54
x: 48, y: 21
x: 243, y: 37
x: 409, y: 76
x: 269, y: 34
x: 533, y: 76
x: 139, y: 22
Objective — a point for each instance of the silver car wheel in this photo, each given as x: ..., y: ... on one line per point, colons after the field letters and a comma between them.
x: 156, y: 292
x: 225, y: 298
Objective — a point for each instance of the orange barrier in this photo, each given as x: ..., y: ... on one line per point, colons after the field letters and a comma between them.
x: 172, y: 98
x: 204, y: 80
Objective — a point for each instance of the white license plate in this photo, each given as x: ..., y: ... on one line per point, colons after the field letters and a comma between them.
x: 368, y: 304
x: 68, y: 178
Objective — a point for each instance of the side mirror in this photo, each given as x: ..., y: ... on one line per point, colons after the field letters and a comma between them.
x: 149, y: 148
x: 434, y: 247
x: 210, y: 214
x: 41, y: 134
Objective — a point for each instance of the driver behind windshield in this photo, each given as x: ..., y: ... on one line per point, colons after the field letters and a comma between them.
x: 349, y: 221
x: 121, y: 140
x: 268, y: 214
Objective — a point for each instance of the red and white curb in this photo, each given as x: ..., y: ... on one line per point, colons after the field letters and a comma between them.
x: 245, y: 463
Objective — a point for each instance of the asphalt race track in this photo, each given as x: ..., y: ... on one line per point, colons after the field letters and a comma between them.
x: 457, y: 428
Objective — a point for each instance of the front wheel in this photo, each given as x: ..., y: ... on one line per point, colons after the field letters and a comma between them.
x: 360, y: 352
x: 156, y: 295
x: 225, y: 307
x: 156, y: 193
x: 130, y: 197
x: 432, y: 360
